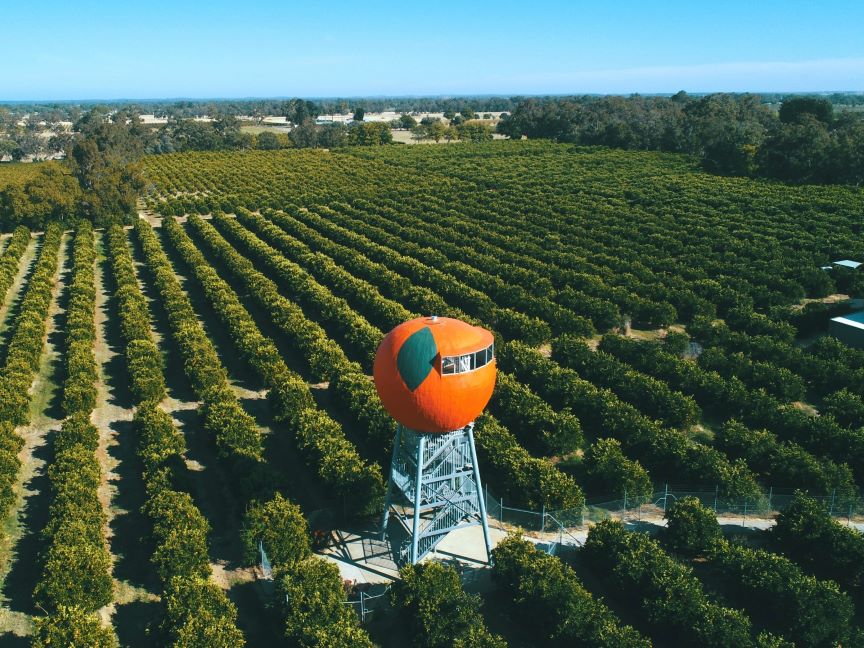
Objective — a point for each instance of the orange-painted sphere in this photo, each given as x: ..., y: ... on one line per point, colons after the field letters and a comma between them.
x: 435, y: 374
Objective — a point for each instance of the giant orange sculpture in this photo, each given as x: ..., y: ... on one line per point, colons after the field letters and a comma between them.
x: 435, y: 374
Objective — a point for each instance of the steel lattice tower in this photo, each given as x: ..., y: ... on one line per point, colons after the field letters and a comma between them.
x: 437, y: 479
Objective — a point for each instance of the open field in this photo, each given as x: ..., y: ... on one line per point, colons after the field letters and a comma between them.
x: 648, y: 332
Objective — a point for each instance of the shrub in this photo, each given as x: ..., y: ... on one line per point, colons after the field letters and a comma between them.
x: 547, y: 597
x: 438, y: 611
x: 690, y: 527
x: 311, y: 600
x: 280, y: 525
x: 71, y: 626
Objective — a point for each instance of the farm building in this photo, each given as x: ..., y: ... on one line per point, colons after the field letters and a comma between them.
x: 849, y: 329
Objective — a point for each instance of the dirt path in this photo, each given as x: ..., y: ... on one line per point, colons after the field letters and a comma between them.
x: 9, y: 307
x: 20, y: 568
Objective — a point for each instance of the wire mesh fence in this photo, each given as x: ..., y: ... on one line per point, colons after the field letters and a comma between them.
x: 573, y: 521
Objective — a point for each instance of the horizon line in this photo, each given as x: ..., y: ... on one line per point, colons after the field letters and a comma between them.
x: 508, y: 95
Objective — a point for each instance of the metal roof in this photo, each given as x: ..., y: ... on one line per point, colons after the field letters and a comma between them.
x: 855, y: 320
x: 846, y: 263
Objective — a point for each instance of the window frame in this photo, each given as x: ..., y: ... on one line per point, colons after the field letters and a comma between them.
x: 450, y: 364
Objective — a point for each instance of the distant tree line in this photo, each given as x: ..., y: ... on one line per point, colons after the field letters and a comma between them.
x: 98, y: 180
x: 806, y: 140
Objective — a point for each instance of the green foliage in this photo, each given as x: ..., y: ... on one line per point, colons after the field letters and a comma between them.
x: 690, y: 527
x: 360, y: 338
x: 369, y: 134
x: 142, y: 357
x: 281, y: 527
x: 788, y: 602
x: 666, y: 453
x: 25, y: 345
x: 79, y: 387
x: 608, y: 471
x: 73, y: 627
x: 312, y: 606
x: 474, y: 132
x: 234, y: 431
x: 547, y: 597
x: 430, y: 599
x: 198, y: 614
x: 52, y: 195
x: 668, y: 597
x: 541, y: 429
x: 524, y: 480
x: 651, y: 396
x: 807, y: 534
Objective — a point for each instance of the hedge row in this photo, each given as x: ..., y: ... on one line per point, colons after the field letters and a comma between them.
x: 356, y: 395
x: 76, y: 563
x: 25, y: 346
x: 474, y: 270
x: 606, y: 470
x: 545, y: 596
x: 319, y: 437
x: 820, y: 435
x: 324, y: 357
x: 197, y: 612
x: 522, y: 479
x: 357, y: 336
x: 651, y: 396
x: 777, y: 381
x: 79, y: 387
x: 668, y: 454
x: 362, y: 295
x: 511, y: 324
x: 783, y: 462
x: 389, y: 283
x: 353, y: 392
x: 27, y: 341
x: 143, y: 359
x: 289, y: 392
x: 235, y: 432
x: 667, y: 596
x: 11, y: 259
x: 774, y: 591
x: 494, y: 267
x: 541, y: 429
x: 827, y: 365
x: 779, y: 595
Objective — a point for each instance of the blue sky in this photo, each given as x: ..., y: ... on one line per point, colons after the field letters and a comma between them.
x: 80, y: 49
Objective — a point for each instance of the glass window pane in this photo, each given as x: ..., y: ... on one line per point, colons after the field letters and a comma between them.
x: 464, y: 363
x: 448, y: 366
x: 480, y: 359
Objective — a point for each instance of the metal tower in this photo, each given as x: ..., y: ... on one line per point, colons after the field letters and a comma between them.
x: 438, y: 477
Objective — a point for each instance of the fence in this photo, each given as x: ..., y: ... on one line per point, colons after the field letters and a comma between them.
x: 570, y: 522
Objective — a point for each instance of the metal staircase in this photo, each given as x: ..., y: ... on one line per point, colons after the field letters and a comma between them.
x: 443, y: 468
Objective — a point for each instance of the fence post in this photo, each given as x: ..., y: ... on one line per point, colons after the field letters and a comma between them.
x: 665, y: 497
x: 833, y: 493
x: 501, y: 508
x: 849, y: 517
x: 362, y: 608
x: 543, y: 519
x: 770, y: 497
x: 624, y: 513
x: 716, y: 492
x: 745, y: 513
